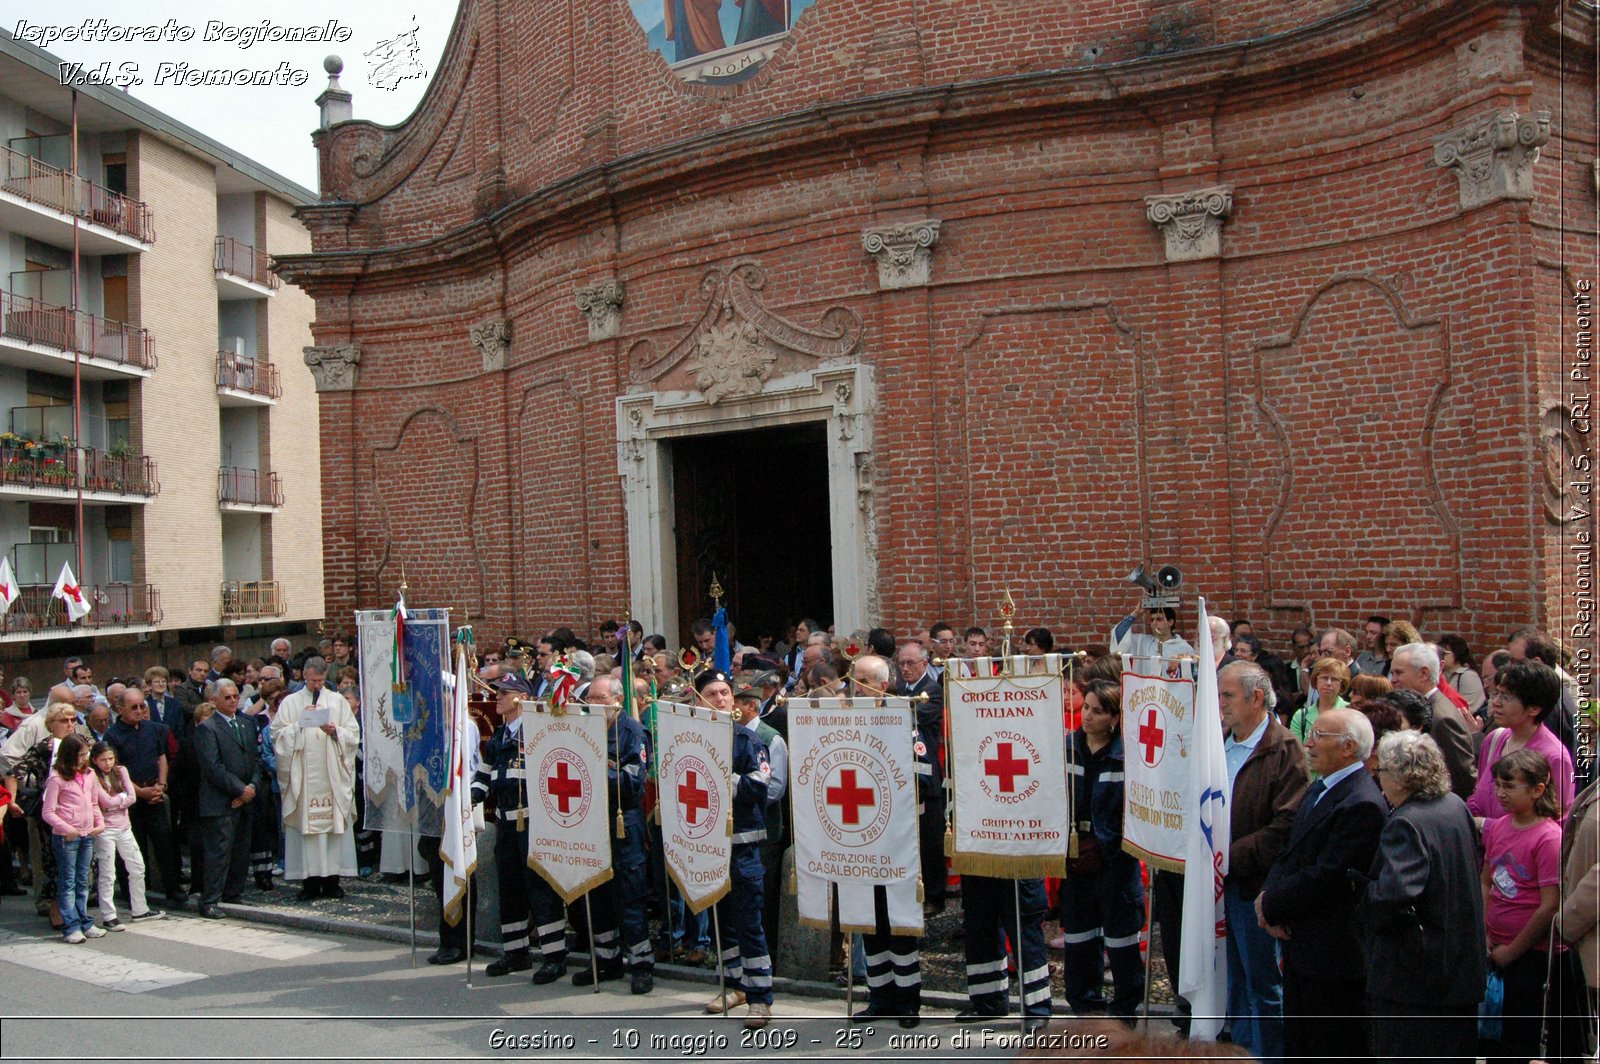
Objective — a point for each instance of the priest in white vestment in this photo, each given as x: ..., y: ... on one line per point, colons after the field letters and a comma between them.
x: 315, y: 737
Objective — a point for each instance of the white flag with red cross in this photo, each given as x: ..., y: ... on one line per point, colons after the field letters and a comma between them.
x: 564, y: 766
x: 854, y: 793
x: 8, y: 585
x: 1157, y: 743
x: 696, y: 800
x: 70, y: 593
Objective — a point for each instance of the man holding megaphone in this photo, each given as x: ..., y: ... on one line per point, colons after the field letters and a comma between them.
x: 1160, y: 606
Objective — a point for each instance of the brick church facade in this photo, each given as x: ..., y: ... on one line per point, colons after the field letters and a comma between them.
x: 953, y: 298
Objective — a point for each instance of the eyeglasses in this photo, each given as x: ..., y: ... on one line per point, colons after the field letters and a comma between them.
x: 1318, y: 734
x: 1501, y: 697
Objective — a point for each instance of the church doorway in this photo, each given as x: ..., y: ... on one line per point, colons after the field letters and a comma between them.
x: 753, y: 508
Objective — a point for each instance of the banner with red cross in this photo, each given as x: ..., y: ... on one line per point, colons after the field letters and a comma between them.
x: 1157, y: 734
x: 569, y: 842
x: 695, y: 800
x: 853, y: 791
x: 1007, y: 759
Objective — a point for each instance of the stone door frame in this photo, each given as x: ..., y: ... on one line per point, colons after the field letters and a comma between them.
x: 844, y: 396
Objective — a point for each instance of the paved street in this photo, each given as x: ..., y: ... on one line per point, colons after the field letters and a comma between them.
x: 229, y: 989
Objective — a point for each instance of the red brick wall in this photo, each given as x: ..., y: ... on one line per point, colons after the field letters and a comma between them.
x: 1338, y: 417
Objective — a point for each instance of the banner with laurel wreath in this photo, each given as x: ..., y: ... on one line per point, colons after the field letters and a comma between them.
x: 404, y: 765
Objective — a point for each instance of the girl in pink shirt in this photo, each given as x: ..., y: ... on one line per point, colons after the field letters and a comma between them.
x: 72, y: 809
x: 115, y: 793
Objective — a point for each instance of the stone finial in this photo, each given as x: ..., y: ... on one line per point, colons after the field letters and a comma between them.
x: 493, y: 341
x: 601, y: 306
x: 1493, y: 155
x: 334, y: 367
x: 904, y: 252
x: 1191, y: 221
x: 336, y: 103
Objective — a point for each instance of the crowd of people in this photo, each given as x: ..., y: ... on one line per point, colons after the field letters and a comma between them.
x: 1395, y: 800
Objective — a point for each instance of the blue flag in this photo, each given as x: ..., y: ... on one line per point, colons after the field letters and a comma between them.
x: 722, y: 656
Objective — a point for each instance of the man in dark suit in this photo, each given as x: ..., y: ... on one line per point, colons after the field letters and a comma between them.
x: 1309, y: 900
x: 1415, y: 667
x: 911, y: 661
x: 230, y: 765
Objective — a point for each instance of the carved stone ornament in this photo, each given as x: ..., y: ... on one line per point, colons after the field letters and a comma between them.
x: 601, y: 306
x: 334, y: 367
x: 736, y: 344
x: 493, y: 341
x: 1191, y: 221
x: 1493, y: 156
x: 904, y: 252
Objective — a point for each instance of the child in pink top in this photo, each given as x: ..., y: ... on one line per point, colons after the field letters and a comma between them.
x: 116, y: 794
x: 72, y: 810
x: 1521, y: 892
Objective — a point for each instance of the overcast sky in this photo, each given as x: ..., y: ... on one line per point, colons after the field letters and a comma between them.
x: 270, y: 124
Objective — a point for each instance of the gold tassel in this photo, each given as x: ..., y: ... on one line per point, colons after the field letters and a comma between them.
x: 949, y: 841
x: 1072, y: 846
x: 622, y: 832
x: 921, y: 893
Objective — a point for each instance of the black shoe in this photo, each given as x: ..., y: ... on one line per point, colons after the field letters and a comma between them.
x: 310, y: 892
x: 263, y: 880
x: 1034, y: 1024
x: 868, y: 1016
x: 909, y: 1022
x: 643, y: 981
x: 515, y: 961
x: 585, y: 976
x: 549, y: 972
x: 210, y: 912
x: 331, y: 887
x: 448, y: 956
x: 976, y: 1015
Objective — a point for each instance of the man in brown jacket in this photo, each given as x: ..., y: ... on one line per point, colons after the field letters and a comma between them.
x: 1267, y: 771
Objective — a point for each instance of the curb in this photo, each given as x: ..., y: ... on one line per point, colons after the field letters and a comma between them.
x: 809, y: 988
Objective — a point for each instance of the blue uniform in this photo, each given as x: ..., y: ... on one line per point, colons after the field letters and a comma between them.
x: 621, y: 899
x: 744, y: 945
x: 523, y: 892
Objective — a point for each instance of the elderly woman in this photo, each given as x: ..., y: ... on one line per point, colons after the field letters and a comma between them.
x: 27, y: 782
x: 1330, y: 682
x: 1422, y: 914
x: 1459, y: 669
x: 1528, y: 691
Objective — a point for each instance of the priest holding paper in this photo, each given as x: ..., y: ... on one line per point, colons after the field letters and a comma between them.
x: 315, y: 736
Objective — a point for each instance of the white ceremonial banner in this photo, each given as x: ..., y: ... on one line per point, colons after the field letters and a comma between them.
x: 1203, y: 960
x: 1157, y: 738
x: 696, y: 800
x: 458, y: 848
x: 569, y: 840
x: 853, y: 799
x: 1007, y: 759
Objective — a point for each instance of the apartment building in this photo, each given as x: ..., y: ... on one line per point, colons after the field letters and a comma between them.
x: 148, y: 436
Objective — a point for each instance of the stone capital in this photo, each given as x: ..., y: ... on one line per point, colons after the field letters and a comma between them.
x: 601, y: 306
x: 493, y: 341
x: 334, y: 367
x: 1493, y: 155
x: 1191, y: 221
x: 904, y: 252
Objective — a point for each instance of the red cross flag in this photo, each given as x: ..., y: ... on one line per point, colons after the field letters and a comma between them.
x: 696, y: 764
x: 1157, y: 730
x: 1008, y: 765
x: 854, y: 789
x: 68, y: 591
x: 8, y: 585
x: 564, y: 764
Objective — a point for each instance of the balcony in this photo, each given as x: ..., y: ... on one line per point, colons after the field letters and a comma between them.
x: 248, y: 490
x: 53, y: 472
x: 38, y: 335
x: 242, y: 271
x: 37, y: 614
x: 245, y: 381
x: 251, y: 598
x: 42, y: 201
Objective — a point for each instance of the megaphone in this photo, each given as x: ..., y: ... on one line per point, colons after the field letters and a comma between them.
x: 1160, y: 590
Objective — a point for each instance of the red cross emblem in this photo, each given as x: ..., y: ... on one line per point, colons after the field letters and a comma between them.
x: 1005, y: 768
x: 692, y: 796
x: 564, y: 788
x: 1151, y: 737
x: 850, y: 798
x: 72, y: 592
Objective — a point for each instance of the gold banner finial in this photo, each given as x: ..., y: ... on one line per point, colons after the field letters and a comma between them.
x: 1008, y: 609
x: 716, y: 590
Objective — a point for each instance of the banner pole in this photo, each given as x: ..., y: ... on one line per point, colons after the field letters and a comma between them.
x: 722, y: 981
x: 594, y: 961
x: 466, y: 898
x: 1016, y: 951
x: 849, y: 976
x: 411, y: 880
x: 1149, y: 949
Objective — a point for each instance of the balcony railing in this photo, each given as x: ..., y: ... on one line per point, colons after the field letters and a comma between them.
x: 245, y: 262
x: 251, y: 598
x: 49, y: 186
x: 249, y: 486
x: 61, y: 467
x: 48, y: 424
x: 111, y: 606
x: 247, y: 375
x: 33, y: 322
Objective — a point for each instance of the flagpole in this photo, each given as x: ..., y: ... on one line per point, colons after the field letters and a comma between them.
x: 411, y: 884
x: 722, y: 975
x: 594, y: 961
x: 1022, y: 964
